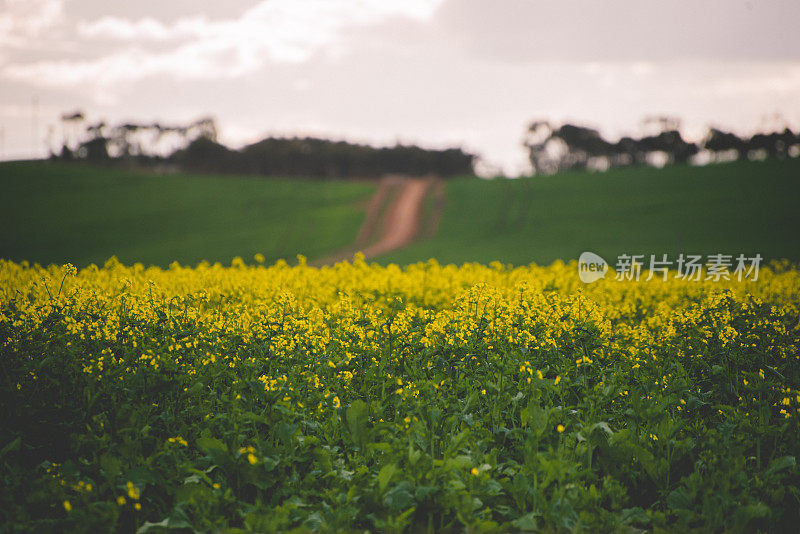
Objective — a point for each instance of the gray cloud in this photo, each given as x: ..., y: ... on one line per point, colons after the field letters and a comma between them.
x: 625, y: 30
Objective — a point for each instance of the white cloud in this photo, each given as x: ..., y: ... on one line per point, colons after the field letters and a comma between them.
x: 280, y: 30
x: 22, y: 20
x: 195, y: 61
x: 785, y: 84
x: 287, y: 30
x: 127, y: 30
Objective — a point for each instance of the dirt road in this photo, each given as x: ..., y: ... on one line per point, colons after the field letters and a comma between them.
x: 394, y: 217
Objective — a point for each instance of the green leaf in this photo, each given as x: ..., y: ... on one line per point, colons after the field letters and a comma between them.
x: 286, y: 431
x: 192, y: 479
x: 385, y: 476
x: 413, y: 454
x: 678, y: 499
x: 383, y: 447
x: 110, y: 465
x: 209, y: 445
x: 270, y: 462
x: 197, y: 387
x: 535, y: 416
x: 526, y: 523
x: 602, y: 425
x: 779, y: 464
x: 13, y: 446
x: 357, y: 420
x: 455, y: 443
x: 176, y: 520
x: 423, y: 492
x: 743, y: 515
x: 250, y: 416
x: 399, y: 497
x: 459, y: 462
x: 141, y: 475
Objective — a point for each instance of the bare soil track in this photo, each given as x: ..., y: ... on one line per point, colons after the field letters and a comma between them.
x: 395, y: 216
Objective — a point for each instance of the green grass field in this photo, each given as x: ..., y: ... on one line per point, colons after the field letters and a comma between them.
x: 58, y: 213
x: 747, y: 207
x: 53, y: 213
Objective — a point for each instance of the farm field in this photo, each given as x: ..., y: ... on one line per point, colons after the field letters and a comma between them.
x: 57, y: 213
x: 742, y: 207
x: 424, y: 399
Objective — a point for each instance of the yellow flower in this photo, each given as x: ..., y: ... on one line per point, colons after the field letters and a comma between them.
x: 252, y: 458
x: 558, y: 379
x: 121, y: 500
x: 560, y: 428
x: 138, y: 506
x: 539, y: 375
x: 133, y: 491
x: 67, y: 506
x: 474, y: 471
x: 653, y: 437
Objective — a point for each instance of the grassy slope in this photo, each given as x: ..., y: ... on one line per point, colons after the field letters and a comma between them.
x: 59, y: 213
x: 733, y: 208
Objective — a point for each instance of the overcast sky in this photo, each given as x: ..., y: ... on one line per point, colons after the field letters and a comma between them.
x: 435, y: 72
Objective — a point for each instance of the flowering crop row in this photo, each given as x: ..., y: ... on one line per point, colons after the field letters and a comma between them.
x: 425, y: 398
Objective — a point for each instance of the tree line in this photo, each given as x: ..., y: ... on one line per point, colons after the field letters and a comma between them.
x: 194, y: 147
x: 553, y: 149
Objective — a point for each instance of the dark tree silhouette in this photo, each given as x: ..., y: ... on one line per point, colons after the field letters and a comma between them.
x: 718, y: 142
x: 538, y: 135
x: 205, y: 155
x: 70, y: 123
x: 671, y: 143
x: 573, y: 146
x: 629, y: 151
x: 330, y: 159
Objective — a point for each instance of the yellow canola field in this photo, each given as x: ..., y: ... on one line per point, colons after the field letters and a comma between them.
x: 432, y: 398
x: 327, y: 317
